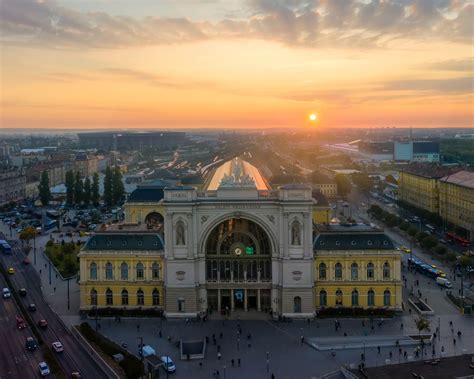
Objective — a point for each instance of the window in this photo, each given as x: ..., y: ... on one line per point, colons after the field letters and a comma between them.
x: 140, y: 297
x: 371, y: 298
x: 323, y: 298
x: 140, y: 271
x: 109, y: 297
x: 370, y: 270
x: 93, y: 271
x: 124, y: 297
x: 93, y: 297
x: 338, y: 271
x: 181, y: 305
x: 109, y: 271
x: 297, y: 304
x: 355, y: 298
x: 386, y: 298
x: 155, y: 271
x: 338, y: 297
x: 124, y: 271
x: 322, y: 271
x: 386, y: 270
x: 354, y: 271
x: 156, y: 297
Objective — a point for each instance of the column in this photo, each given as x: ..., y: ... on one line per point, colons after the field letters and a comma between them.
x: 245, y: 300
x: 258, y: 300
x: 218, y: 300
x: 232, y: 305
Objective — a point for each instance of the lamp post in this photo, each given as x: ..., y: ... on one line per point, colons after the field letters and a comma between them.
x: 68, y: 304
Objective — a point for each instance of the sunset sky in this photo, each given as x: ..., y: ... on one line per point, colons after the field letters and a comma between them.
x: 74, y: 64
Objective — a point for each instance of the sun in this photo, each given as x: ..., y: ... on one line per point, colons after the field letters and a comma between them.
x: 313, y: 117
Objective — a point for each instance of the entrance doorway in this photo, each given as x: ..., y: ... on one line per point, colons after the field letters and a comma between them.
x: 239, y: 296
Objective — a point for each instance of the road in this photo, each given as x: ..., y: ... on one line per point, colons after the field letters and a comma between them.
x: 74, y: 358
x: 15, y: 360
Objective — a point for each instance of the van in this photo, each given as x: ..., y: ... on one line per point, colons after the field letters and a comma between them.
x: 147, y: 350
x: 444, y: 282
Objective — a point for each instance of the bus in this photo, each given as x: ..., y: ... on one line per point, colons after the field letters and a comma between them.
x: 426, y: 268
x: 5, y: 247
x: 50, y: 225
x: 451, y: 236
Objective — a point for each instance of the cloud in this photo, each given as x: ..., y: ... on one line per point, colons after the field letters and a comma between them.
x: 463, y: 85
x: 466, y: 64
x: 307, y: 23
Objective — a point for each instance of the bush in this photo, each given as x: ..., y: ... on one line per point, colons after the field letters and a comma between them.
x: 451, y: 257
x: 412, y: 231
x: 440, y: 250
x: 420, y: 236
x: 429, y: 242
x: 126, y: 312
x: 354, y: 312
x: 404, y: 225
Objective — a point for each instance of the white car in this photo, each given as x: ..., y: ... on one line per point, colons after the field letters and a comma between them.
x: 168, y: 363
x: 58, y: 347
x: 43, y: 368
x: 6, y: 293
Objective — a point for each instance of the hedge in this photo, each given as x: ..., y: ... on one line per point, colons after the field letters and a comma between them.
x: 355, y: 312
x: 132, y: 366
x: 125, y: 312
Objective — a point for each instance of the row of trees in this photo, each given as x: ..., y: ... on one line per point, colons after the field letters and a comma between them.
x: 113, y: 186
x: 80, y: 190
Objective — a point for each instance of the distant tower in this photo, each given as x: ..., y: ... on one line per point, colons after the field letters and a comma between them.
x: 411, y: 133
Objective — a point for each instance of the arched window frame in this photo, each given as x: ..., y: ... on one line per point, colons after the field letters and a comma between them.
x: 124, y: 271
x: 93, y: 271
x: 371, y: 298
x: 323, y: 298
x: 140, y: 297
x: 370, y: 271
x: 338, y: 271
x: 93, y: 294
x: 124, y: 296
x: 109, y: 271
x: 109, y: 297
x: 156, y: 297
x: 355, y: 298
x: 322, y: 271
x: 387, y: 298
x: 354, y: 271
x: 386, y: 270
x: 140, y: 271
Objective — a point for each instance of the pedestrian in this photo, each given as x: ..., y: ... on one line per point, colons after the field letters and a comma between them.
x: 161, y: 335
x: 405, y: 354
x: 459, y: 334
x: 409, y: 310
x: 249, y: 336
x: 238, y: 362
x: 40, y: 271
x: 188, y: 357
x: 454, y: 341
x: 450, y: 323
x: 45, y: 265
x: 390, y: 354
x: 218, y: 348
x: 54, y: 289
x: 138, y: 326
x: 207, y: 340
x: 217, y: 374
x: 273, y: 376
x: 378, y: 349
x: 220, y: 335
x: 442, y: 349
x: 401, y: 325
x: 219, y: 355
x: 98, y: 326
x: 169, y: 339
x: 345, y: 334
x: 232, y: 362
x: 362, y: 357
x: 200, y: 365
x: 249, y: 344
x: 302, y: 340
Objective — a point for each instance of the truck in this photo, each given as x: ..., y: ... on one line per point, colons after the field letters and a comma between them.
x: 444, y: 282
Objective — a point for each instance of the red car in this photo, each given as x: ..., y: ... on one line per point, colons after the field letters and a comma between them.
x: 26, y: 261
x: 20, y: 323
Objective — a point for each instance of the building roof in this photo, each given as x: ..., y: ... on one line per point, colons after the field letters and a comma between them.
x: 461, y: 178
x: 351, y: 237
x: 147, y: 194
x: 430, y: 171
x: 237, y: 173
x: 125, y: 241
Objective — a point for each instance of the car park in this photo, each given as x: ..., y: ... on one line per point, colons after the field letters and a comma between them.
x: 6, y: 293
x: 168, y: 364
x: 32, y: 307
x: 43, y: 323
x: 20, y: 323
x: 58, y: 347
x: 31, y: 344
x: 43, y: 368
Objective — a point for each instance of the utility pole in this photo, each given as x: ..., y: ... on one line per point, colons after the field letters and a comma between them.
x: 68, y: 293
x: 34, y: 247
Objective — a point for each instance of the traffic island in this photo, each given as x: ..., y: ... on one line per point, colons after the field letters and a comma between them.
x: 421, y: 307
x: 193, y: 349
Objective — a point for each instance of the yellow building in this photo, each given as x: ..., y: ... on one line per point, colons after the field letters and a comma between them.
x: 123, y: 270
x: 456, y: 200
x: 327, y: 189
x: 356, y: 266
x: 418, y: 185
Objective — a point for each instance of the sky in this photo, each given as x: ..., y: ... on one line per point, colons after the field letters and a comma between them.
x: 75, y: 64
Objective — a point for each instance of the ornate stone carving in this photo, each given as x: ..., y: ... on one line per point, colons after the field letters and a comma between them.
x: 271, y: 218
x: 204, y: 219
x: 295, y: 233
x: 180, y: 275
x: 180, y: 234
x: 297, y: 275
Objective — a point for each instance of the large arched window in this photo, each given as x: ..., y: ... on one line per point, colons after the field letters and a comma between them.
x: 322, y: 271
x: 93, y: 297
x: 338, y: 271
x: 124, y: 297
x: 154, y: 220
x: 109, y: 271
x: 155, y: 271
x: 109, y: 297
x: 124, y: 271
x: 386, y: 270
x: 370, y: 270
x: 140, y: 297
x: 140, y: 271
x: 339, y: 297
x: 371, y: 298
x: 156, y: 297
x: 354, y: 271
x: 297, y: 304
x: 93, y: 271
x: 323, y: 298
x: 386, y: 298
x: 355, y: 298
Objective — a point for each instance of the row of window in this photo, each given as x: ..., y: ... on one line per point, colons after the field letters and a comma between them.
x: 238, y: 269
x: 124, y: 271
x: 140, y: 296
x: 323, y: 298
x: 370, y: 271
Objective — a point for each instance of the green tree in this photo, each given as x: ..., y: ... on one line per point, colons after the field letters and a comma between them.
x: 95, y: 196
x: 412, y: 230
x: 78, y: 189
x: 466, y: 262
x: 404, y: 225
x: 343, y: 185
x: 26, y: 236
x: 118, y: 190
x: 422, y: 324
x: 363, y: 181
x: 420, y: 236
x: 87, y: 191
x: 108, y: 192
x: 70, y: 187
x: 43, y: 188
x: 429, y: 242
x: 451, y: 257
x: 440, y: 250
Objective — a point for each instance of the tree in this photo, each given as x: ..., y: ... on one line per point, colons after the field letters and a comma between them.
x: 429, y: 242
x: 118, y: 189
x: 451, y: 257
x: 363, y: 181
x: 466, y: 262
x: 95, y: 196
x: 404, y: 225
x: 108, y: 194
x: 70, y: 187
x: 412, y: 230
x: 78, y: 189
x: 43, y: 188
x: 440, y: 250
x: 422, y: 324
x: 26, y: 236
x: 420, y: 236
x: 343, y: 185
x: 86, y: 197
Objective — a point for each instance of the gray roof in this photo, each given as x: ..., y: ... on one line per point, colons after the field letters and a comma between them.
x: 146, y: 194
x: 353, y: 241
x: 125, y: 241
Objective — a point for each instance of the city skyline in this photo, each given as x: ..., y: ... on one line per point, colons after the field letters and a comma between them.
x: 236, y: 64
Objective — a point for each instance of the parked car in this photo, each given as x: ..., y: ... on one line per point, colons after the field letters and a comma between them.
x: 20, y: 323
x: 43, y: 323
x: 31, y: 344
x: 6, y: 293
x: 58, y: 347
x: 168, y: 364
x: 43, y: 368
